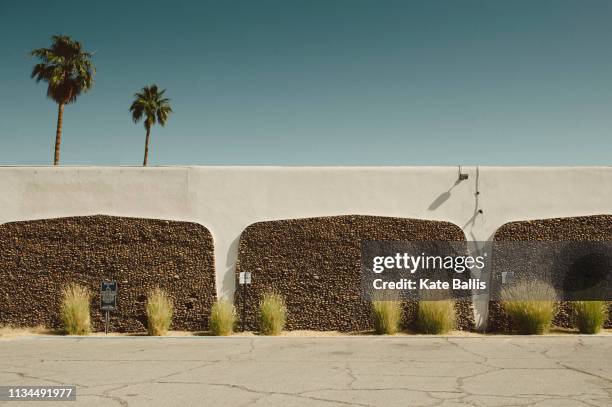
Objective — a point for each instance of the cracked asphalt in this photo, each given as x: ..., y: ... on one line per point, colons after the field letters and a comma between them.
x: 547, y: 371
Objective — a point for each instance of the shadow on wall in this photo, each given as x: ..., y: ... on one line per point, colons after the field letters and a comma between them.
x: 443, y: 197
x: 38, y: 258
x: 315, y: 263
x: 595, y: 228
x: 229, y: 279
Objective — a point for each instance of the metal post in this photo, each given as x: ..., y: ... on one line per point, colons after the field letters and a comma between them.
x: 244, y: 296
x: 106, y: 324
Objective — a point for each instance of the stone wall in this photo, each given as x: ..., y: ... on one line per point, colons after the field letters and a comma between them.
x: 40, y: 257
x: 596, y: 228
x: 315, y: 263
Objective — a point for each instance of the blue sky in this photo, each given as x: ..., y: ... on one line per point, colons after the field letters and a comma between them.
x: 328, y: 82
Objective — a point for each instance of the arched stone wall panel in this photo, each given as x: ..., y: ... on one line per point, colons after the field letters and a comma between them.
x: 582, y: 228
x: 40, y: 257
x: 315, y: 263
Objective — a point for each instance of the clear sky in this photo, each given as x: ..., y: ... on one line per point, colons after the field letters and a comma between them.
x: 348, y: 82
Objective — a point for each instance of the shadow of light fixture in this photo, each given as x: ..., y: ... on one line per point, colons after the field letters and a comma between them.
x: 462, y: 175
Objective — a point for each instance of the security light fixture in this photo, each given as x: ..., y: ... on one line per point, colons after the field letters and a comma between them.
x: 462, y: 175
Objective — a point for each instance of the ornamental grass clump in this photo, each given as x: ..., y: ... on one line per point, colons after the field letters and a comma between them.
x: 436, y: 317
x: 590, y: 316
x: 272, y: 314
x: 222, y: 318
x: 74, y: 310
x: 387, y: 316
x: 159, y: 312
x: 531, y: 306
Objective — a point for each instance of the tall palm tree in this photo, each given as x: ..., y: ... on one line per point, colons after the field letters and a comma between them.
x: 150, y: 104
x: 68, y: 71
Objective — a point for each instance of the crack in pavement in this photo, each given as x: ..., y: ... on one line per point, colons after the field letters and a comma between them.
x: 288, y: 394
x: 343, y: 368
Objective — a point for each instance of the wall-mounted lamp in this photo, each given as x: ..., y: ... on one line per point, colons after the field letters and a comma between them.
x: 462, y: 175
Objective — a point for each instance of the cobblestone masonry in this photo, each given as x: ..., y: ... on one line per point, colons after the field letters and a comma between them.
x: 38, y: 258
x: 315, y: 264
x: 583, y: 228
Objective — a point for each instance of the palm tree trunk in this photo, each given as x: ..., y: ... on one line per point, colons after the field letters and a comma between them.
x: 58, y: 133
x: 146, y: 156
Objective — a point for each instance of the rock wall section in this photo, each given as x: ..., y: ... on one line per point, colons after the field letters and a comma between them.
x: 40, y: 257
x: 583, y: 228
x: 315, y: 263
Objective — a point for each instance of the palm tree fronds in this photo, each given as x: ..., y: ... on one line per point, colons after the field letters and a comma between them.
x: 149, y: 105
x: 66, y: 67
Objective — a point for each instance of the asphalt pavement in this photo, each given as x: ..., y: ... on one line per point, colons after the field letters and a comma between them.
x: 549, y: 371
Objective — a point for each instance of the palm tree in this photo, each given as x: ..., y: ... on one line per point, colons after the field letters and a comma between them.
x: 68, y: 71
x: 150, y: 104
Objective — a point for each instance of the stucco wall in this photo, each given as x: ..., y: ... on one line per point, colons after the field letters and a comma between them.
x: 228, y: 199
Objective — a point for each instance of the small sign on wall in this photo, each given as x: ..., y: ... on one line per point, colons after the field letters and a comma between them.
x: 507, y: 277
x: 245, y: 278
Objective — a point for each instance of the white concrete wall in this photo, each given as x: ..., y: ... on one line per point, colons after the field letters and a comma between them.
x: 228, y: 199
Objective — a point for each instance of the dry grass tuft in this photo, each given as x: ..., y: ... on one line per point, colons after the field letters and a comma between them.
x: 159, y: 312
x: 272, y: 314
x: 74, y: 311
x: 8, y: 331
x: 531, y: 306
x: 436, y: 317
x: 222, y: 318
x: 590, y: 316
x: 387, y: 316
